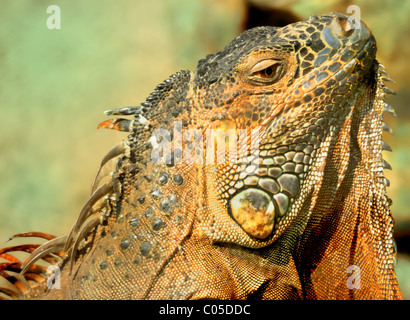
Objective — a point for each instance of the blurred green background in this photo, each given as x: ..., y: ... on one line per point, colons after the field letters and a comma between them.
x: 55, y: 85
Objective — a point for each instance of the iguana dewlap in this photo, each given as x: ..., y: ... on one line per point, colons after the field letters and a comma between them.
x: 294, y: 207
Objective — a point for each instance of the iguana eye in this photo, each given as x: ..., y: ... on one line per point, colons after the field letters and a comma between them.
x: 266, y: 71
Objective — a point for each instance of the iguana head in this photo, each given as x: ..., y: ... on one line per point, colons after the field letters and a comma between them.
x: 290, y: 89
x: 239, y: 179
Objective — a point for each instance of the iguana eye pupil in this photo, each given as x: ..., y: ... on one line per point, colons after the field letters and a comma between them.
x: 269, y: 72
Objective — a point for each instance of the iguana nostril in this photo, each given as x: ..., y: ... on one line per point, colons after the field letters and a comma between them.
x: 342, y: 27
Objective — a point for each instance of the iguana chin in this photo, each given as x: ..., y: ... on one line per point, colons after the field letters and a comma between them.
x: 300, y: 213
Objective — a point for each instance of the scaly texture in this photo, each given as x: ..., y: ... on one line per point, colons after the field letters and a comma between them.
x: 301, y: 203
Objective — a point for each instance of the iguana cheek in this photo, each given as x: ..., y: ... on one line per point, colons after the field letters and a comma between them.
x: 254, y: 211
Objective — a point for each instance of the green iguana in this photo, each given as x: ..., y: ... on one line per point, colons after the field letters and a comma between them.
x: 257, y: 176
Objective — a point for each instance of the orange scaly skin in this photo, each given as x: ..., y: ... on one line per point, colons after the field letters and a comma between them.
x: 290, y: 222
